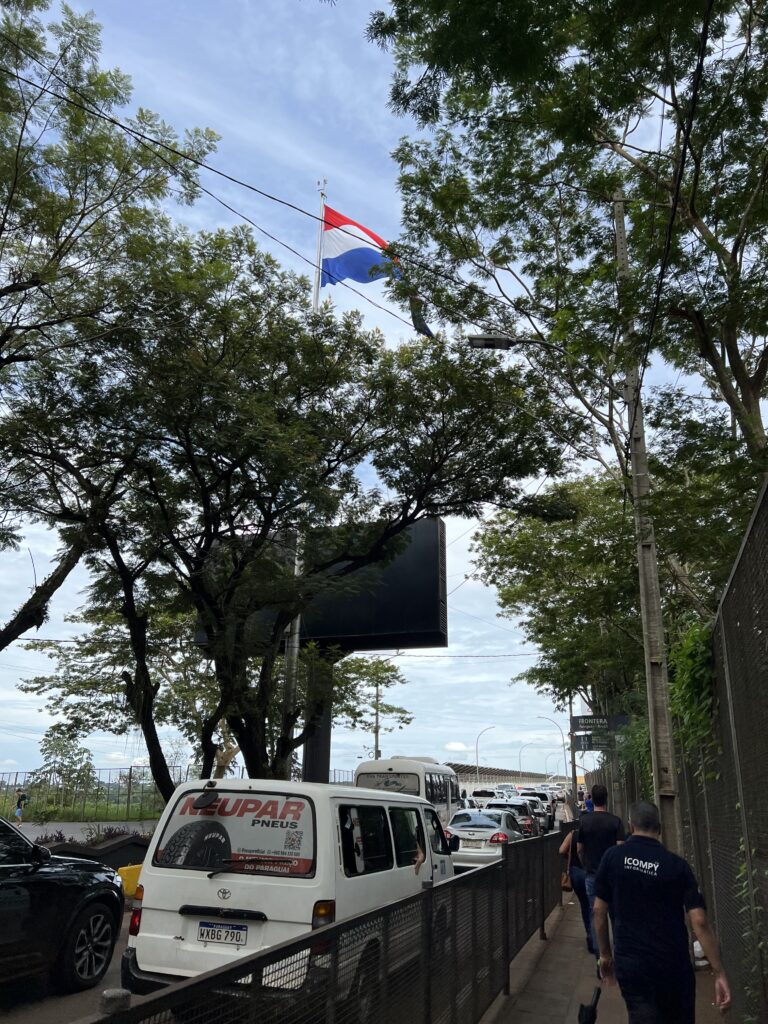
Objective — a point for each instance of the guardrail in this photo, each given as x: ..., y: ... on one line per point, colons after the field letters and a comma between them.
x: 440, y: 957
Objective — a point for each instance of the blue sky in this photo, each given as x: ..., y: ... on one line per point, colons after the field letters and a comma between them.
x: 298, y: 94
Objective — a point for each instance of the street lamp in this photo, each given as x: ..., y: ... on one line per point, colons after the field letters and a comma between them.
x: 477, y: 752
x: 555, y: 753
x: 562, y: 735
x: 520, y: 759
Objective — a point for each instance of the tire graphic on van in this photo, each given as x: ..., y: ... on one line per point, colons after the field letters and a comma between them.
x: 200, y: 844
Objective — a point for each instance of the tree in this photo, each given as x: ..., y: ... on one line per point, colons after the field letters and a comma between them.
x: 573, y: 583
x: 538, y: 114
x: 89, y: 689
x: 67, y: 764
x: 79, y: 198
x: 241, y: 419
x: 358, y: 686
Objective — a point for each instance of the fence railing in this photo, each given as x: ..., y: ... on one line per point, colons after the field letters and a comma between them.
x: 723, y: 789
x: 99, y: 794
x: 440, y: 957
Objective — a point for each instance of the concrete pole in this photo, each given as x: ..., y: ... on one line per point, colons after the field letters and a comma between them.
x: 574, y: 786
x: 657, y: 680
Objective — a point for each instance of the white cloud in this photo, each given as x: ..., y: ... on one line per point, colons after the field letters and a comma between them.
x: 9, y: 760
x: 118, y: 756
x: 454, y: 745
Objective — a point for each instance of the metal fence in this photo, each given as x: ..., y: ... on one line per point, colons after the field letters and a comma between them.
x: 93, y: 794
x: 100, y: 794
x: 440, y: 957
x: 724, y: 791
x: 724, y: 794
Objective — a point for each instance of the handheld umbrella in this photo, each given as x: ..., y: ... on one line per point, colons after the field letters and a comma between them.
x: 588, y: 1014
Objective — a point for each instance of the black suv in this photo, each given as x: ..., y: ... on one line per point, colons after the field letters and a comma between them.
x: 59, y: 914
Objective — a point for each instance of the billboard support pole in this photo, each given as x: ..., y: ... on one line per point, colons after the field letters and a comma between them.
x: 574, y: 787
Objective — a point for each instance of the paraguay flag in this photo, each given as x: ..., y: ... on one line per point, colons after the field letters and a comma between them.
x: 350, y: 251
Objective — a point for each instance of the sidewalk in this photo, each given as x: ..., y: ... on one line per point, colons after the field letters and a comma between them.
x: 550, y: 979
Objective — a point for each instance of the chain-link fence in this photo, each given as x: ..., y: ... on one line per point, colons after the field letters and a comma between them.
x: 440, y: 957
x: 724, y: 790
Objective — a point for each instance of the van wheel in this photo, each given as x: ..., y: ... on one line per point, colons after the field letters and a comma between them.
x: 200, y: 844
x: 87, y: 949
x: 366, y: 993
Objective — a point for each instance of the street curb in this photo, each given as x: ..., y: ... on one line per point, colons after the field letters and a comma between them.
x: 526, y: 961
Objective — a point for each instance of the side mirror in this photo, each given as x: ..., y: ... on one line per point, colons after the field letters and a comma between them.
x: 40, y: 854
x: 454, y: 843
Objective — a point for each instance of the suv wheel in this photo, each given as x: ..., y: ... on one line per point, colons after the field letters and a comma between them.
x: 87, y: 948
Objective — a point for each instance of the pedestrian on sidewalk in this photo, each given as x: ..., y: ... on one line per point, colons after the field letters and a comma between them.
x: 578, y: 877
x: 21, y: 802
x: 649, y: 891
x: 599, y: 830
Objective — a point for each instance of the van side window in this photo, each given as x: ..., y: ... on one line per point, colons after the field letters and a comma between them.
x: 437, y: 839
x: 455, y: 796
x: 408, y: 834
x: 365, y: 843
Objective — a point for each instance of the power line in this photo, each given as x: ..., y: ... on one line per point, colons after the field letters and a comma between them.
x: 149, y: 141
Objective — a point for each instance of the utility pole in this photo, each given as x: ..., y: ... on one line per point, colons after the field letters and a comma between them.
x: 657, y: 680
x: 574, y: 786
x: 376, y: 726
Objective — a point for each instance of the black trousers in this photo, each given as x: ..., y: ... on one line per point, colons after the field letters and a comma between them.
x: 657, y: 996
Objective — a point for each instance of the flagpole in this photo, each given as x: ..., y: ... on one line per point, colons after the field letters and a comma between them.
x: 319, y: 254
x: 293, y: 639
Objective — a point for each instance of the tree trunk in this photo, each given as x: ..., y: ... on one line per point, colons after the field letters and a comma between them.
x: 34, y: 611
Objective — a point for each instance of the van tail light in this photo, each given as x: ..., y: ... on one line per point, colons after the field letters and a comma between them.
x: 323, y: 912
x: 498, y: 837
x: 135, y: 922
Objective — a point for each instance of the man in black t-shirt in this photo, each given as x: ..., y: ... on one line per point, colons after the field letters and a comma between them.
x: 598, y: 831
x: 649, y: 891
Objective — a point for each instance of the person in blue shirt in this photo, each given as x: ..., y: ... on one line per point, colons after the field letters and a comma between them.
x: 589, y: 805
x: 649, y: 892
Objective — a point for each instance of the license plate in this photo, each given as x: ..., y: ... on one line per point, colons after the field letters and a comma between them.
x: 229, y: 934
x: 473, y: 844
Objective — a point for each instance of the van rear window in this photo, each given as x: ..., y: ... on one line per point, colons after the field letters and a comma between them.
x: 248, y: 833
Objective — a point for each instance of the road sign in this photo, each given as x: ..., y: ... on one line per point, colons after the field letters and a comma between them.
x: 589, y: 741
x: 599, y: 723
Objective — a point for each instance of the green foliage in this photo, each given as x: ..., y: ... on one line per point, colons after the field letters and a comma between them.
x: 574, y: 584
x: 634, y: 751
x: 691, y: 691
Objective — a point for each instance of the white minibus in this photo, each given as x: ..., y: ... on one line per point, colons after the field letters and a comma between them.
x: 419, y: 776
x: 239, y: 865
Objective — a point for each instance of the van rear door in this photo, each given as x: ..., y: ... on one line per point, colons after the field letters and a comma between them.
x: 228, y: 879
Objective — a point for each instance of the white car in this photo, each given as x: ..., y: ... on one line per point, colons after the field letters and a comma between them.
x: 482, y: 835
x: 540, y: 811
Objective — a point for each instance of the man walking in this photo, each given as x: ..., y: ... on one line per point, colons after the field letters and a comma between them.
x: 598, y: 831
x: 649, y: 891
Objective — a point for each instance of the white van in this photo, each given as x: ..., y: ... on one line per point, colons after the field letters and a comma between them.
x: 238, y: 865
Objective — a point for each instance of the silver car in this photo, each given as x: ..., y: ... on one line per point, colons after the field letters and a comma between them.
x: 482, y: 836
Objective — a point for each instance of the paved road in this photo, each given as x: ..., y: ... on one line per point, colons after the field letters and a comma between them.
x: 34, y: 1002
